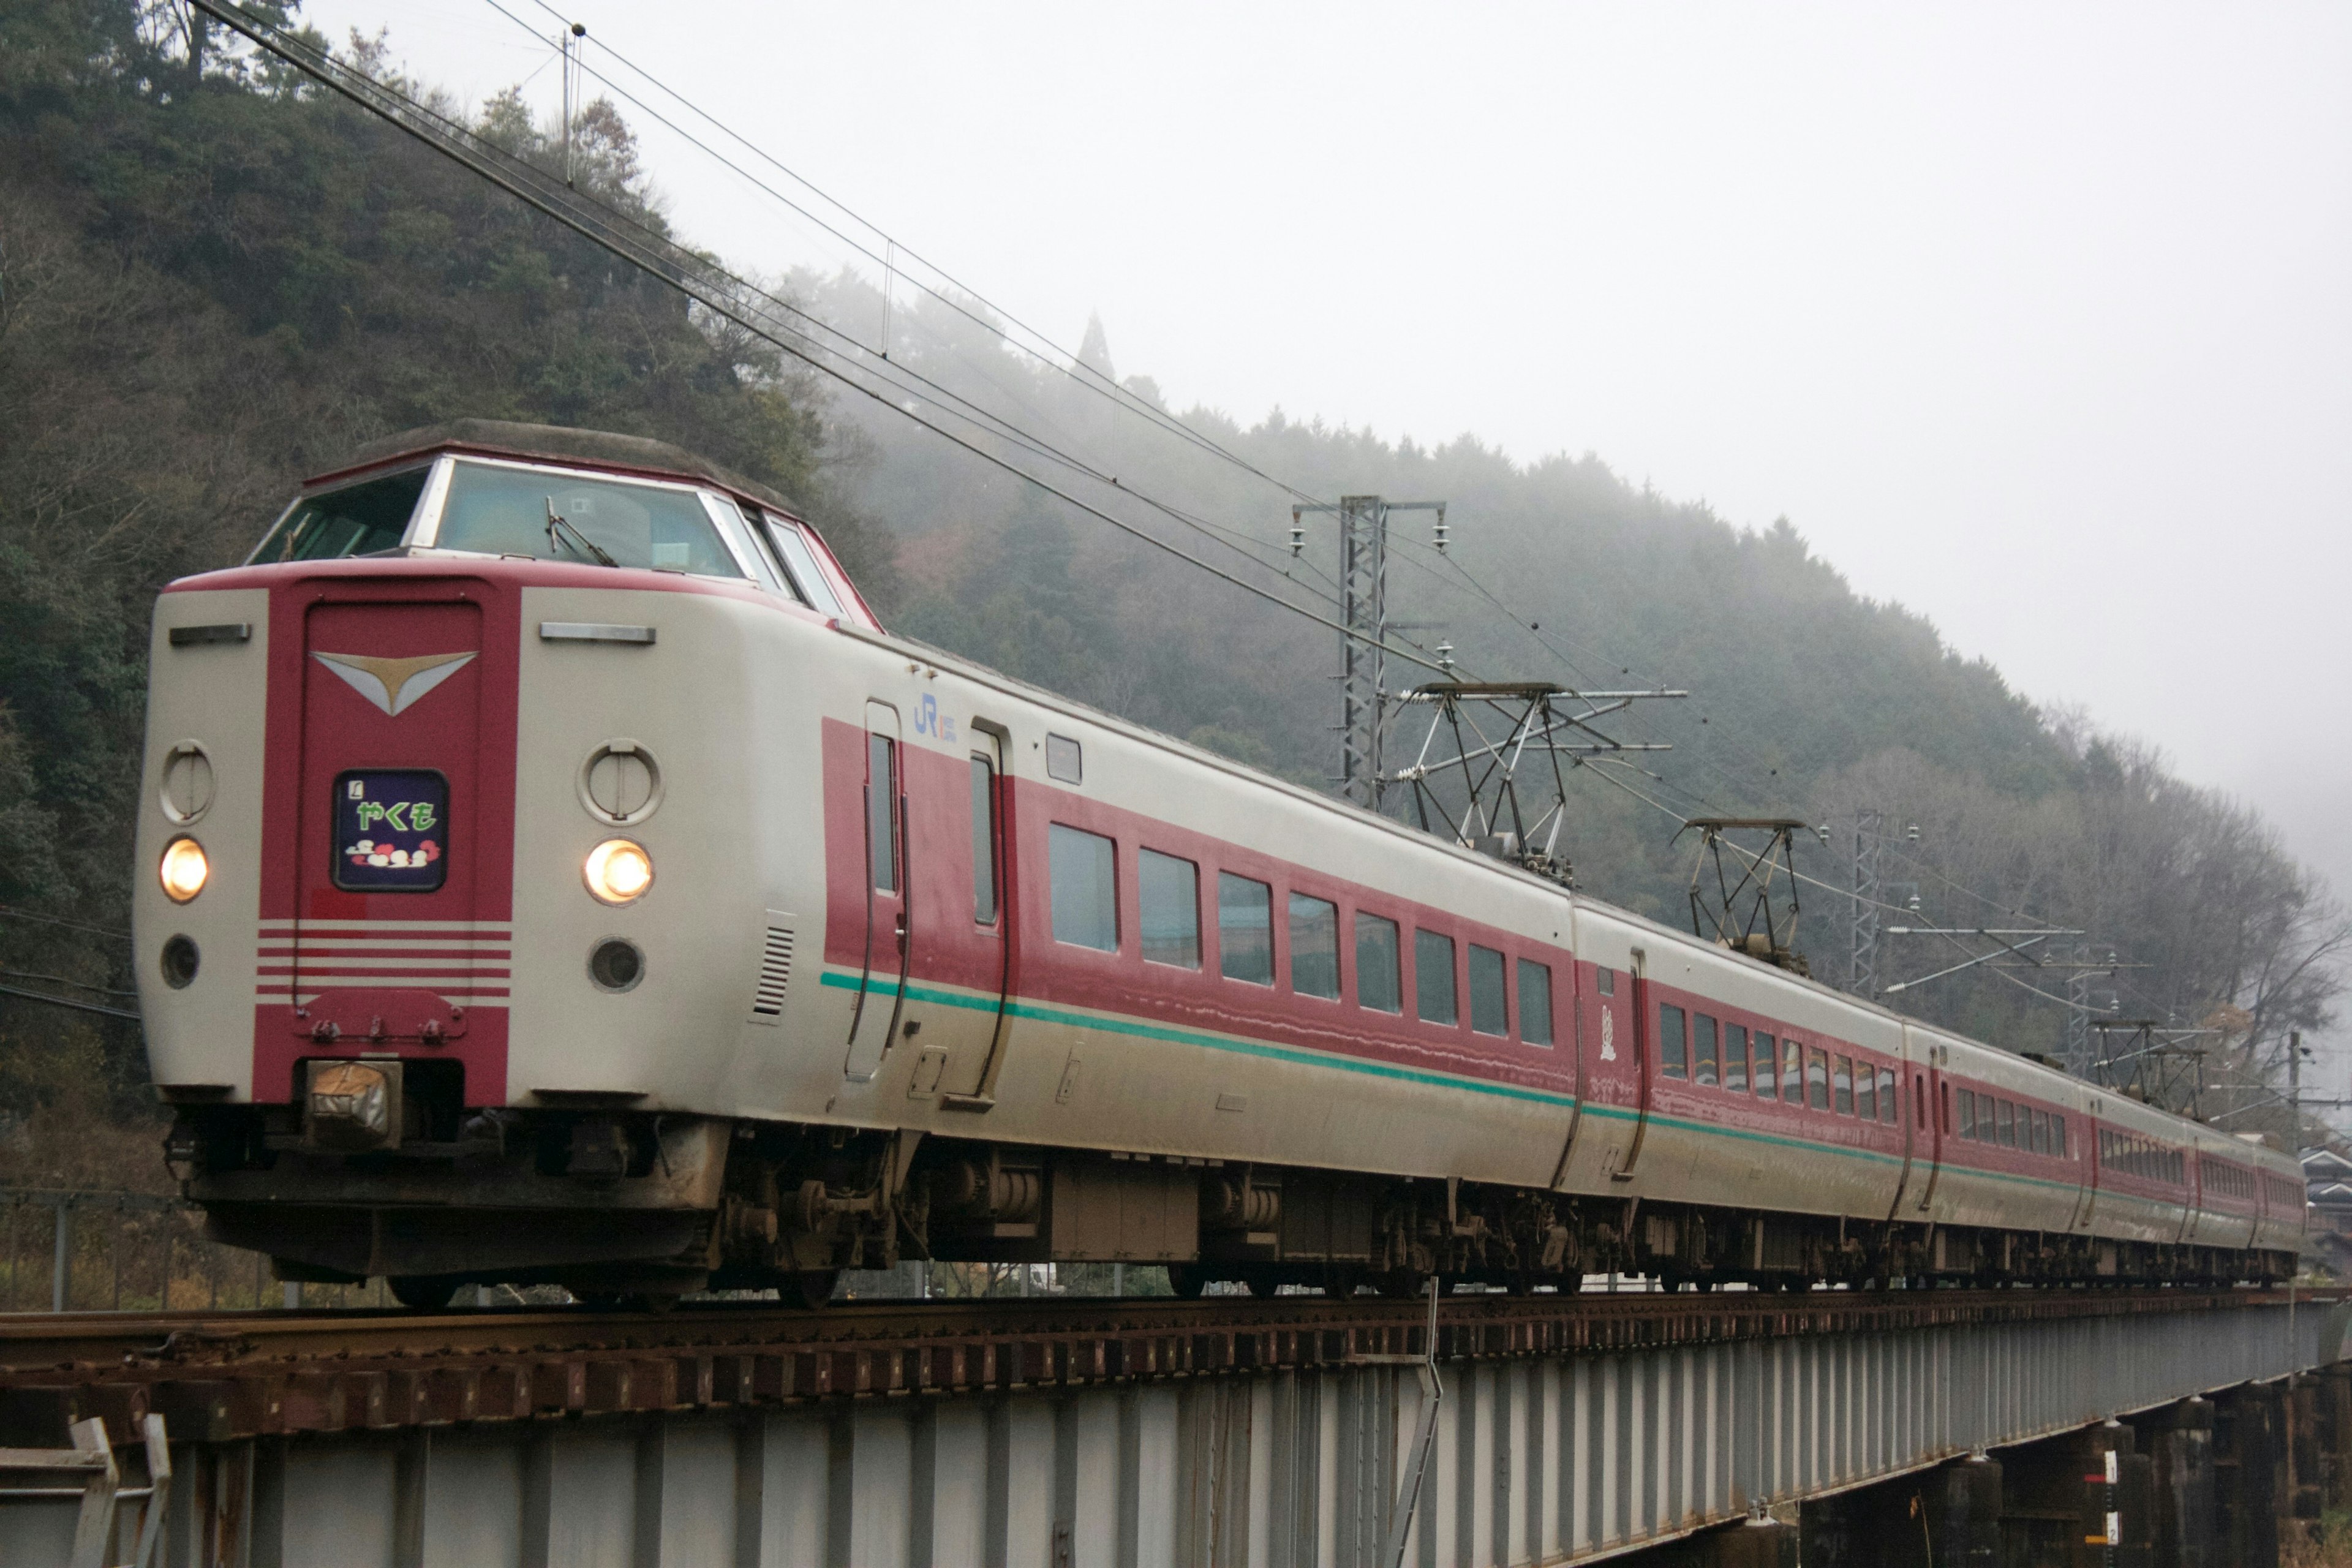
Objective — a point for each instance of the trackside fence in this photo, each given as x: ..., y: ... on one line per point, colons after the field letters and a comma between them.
x: 73, y: 1251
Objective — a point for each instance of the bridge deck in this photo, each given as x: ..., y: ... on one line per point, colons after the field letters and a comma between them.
x: 1084, y: 1430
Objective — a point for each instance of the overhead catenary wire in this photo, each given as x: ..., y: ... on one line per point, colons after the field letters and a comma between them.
x: 1126, y: 400
x: 1062, y: 360
x: 695, y: 277
x: 1754, y: 859
x: 898, y: 372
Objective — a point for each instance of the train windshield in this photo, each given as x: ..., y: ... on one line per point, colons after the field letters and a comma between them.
x: 556, y: 516
x: 365, y: 519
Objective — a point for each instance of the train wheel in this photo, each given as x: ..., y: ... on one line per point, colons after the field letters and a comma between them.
x: 1341, y: 1280
x: 425, y: 1292
x: 807, y: 1288
x: 1186, y: 1281
x: 1263, y: 1281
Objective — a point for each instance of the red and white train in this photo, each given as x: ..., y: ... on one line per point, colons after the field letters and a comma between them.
x: 550, y: 871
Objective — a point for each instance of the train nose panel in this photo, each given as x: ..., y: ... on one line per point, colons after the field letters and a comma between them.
x: 400, y: 821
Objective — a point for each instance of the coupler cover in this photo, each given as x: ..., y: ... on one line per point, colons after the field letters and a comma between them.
x: 353, y: 1106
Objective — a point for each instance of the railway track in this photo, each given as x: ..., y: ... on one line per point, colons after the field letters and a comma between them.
x: 217, y: 1376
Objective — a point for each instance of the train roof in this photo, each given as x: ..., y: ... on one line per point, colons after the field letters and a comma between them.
x: 606, y: 449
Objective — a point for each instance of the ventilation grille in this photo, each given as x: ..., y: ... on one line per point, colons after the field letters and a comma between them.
x: 775, y: 974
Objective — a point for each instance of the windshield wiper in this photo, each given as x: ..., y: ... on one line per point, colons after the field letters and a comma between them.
x: 579, y: 541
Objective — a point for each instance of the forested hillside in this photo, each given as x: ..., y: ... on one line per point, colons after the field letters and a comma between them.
x: 213, y: 282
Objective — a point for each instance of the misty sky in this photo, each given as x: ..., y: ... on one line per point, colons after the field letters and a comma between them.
x: 2034, y: 319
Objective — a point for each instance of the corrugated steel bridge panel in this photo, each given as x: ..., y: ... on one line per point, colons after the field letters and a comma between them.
x: 1541, y: 1457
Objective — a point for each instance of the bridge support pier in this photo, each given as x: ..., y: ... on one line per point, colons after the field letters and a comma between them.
x: 2058, y: 1501
x: 2178, y: 1440
x: 1947, y: 1518
x: 2246, y: 1430
x: 2334, y: 1384
x: 1967, y: 1533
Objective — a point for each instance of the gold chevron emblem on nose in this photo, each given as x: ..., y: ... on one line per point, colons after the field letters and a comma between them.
x: 393, y: 684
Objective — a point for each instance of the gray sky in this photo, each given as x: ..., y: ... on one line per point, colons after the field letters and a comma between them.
x: 2034, y: 319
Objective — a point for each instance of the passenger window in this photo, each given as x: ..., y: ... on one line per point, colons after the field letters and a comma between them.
x: 1844, y: 1086
x: 1433, y: 978
x: 1245, y: 929
x: 882, y: 811
x: 1608, y: 978
x: 1314, y: 947
x: 1768, y: 1085
x: 1534, y: 1003
x: 1490, y: 1007
x: 1085, y: 867
x: 2041, y: 1132
x: 984, y: 840
x: 1672, y: 1059
x: 2005, y: 1121
x: 2058, y: 1135
x: 1817, y: 1079
x: 1735, y: 1059
x: 1702, y: 1048
x: 1168, y: 891
x: 1886, y: 1112
x: 1969, y: 1115
x: 1378, y: 986
x: 1865, y: 1092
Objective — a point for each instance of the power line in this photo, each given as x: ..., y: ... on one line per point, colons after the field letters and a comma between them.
x: 953, y: 403
x: 68, y: 1002
x: 1122, y: 399
x: 1801, y: 877
x: 695, y: 277
x: 1068, y: 365
x: 67, y: 980
x: 69, y: 925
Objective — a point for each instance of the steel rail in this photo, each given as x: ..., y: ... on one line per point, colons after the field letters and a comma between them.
x: 33, y: 1341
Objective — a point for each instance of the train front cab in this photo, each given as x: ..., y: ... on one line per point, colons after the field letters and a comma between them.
x: 448, y: 826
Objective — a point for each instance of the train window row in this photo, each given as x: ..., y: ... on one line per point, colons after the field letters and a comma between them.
x: 2141, y: 1157
x: 1083, y: 872
x: 2224, y: 1179
x: 2285, y: 1196
x: 1987, y: 1119
x: 1697, y: 1048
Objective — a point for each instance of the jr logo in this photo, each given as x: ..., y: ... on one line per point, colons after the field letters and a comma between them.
x: 929, y: 720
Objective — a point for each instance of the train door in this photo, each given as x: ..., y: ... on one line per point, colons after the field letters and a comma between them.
x: 1641, y: 1009
x: 968, y: 1080
x: 1576, y: 1034
x: 882, y: 976
x: 2087, y: 1199
x: 1929, y: 1122
x: 1920, y: 1133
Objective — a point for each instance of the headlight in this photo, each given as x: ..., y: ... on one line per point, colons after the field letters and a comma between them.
x: 184, y: 869
x: 618, y: 870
